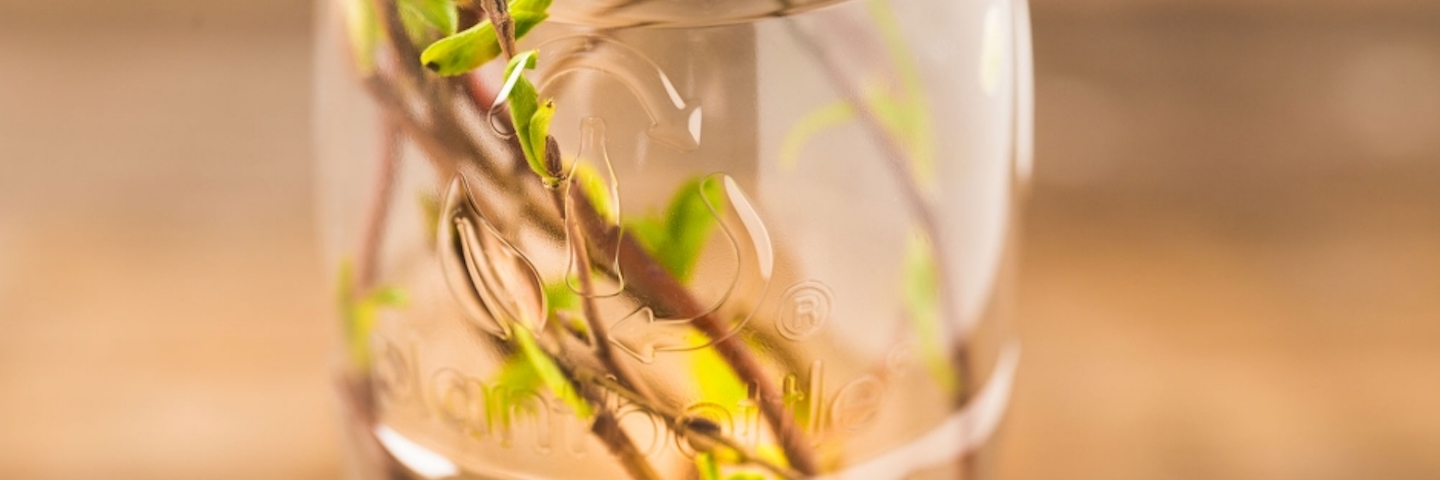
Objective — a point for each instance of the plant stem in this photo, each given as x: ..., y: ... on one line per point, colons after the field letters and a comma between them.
x: 672, y: 418
x: 622, y: 447
x: 564, y: 197
x: 448, y: 157
x: 406, y: 54
x: 650, y: 282
x: 358, y: 406
x: 499, y: 14
x: 448, y: 146
x: 920, y: 206
x: 376, y: 219
x: 670, y: 294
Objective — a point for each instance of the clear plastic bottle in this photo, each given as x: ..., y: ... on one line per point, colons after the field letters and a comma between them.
x: 773, y: 238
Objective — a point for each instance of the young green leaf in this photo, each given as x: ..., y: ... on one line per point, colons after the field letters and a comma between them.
x: 364, y: 33
x: 516, y: 381
x: 747, y: 476
x: 539, y: 131
x: 909, y: 115
x: 358, y: 315
x: 922, y: 299
x: 906, y: 117
x: 560, y: 297
x: 550, y: 374
x: 564, y: 306
x: 430, y: 211
x: 427, y: 19
x: 524, y: 373
x: 441, y: 14
x: 530, y: 116
x: 475, y: 46
x: 813, y: 123
x: 518, y: 376
x: 706, y: 465
x: 717, y: 381
x: 677, y: 238
x: 903, y: 112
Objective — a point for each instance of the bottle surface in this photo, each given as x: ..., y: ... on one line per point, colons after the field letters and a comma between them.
x: 775, y: 239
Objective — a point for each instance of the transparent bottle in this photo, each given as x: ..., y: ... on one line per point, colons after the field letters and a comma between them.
x: 709, y: 239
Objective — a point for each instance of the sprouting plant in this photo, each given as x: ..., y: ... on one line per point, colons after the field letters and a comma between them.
x: 427, y: 34
x: 435, y: 48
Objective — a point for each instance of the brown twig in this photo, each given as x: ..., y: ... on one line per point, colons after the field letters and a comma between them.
x: 700, y: 437
x: 376, y: 218
x: 499, y: 15
x: 651, y: 281
x: 622, y: 447
x: 406, y: 55
x: 564, y: 196
x: 648, y: 280
x: 920, y: 206
x: 357, y: 403
x: 447, y: 145
x: 447, y: 158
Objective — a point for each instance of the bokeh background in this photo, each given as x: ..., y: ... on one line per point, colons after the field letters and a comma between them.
x: 1232, y: 258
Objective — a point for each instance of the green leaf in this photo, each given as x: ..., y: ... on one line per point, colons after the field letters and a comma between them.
x: 524, y: 373
x: 560, y: 297
x: 817, y: 121
x: 358, y: 315
x: 707, y: 466
x: 922, y: 299
x: 363, y: 31
x: 428, y: 19
x: 747, y: 476
x: 388, y: 296
x: 530, y: 116
x: 540, y: 131
x: 908, y: 115
x: 903, y: 112
x: 430, y: 211
x: 515, y: 381
x: 717, y: 381
x: 475, y: 46
x: 564, y: 305
x: 463, y: 51
x: 518, y: 377
x: 676, y: 239
x: 550, y: 374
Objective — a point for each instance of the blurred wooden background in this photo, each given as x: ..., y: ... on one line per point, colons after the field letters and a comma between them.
x: 1232, y: 258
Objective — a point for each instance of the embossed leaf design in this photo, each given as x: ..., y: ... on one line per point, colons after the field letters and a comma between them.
x: 496, y: 285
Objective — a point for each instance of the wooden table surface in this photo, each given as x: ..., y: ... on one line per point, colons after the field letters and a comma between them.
x: 1232, y: 254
